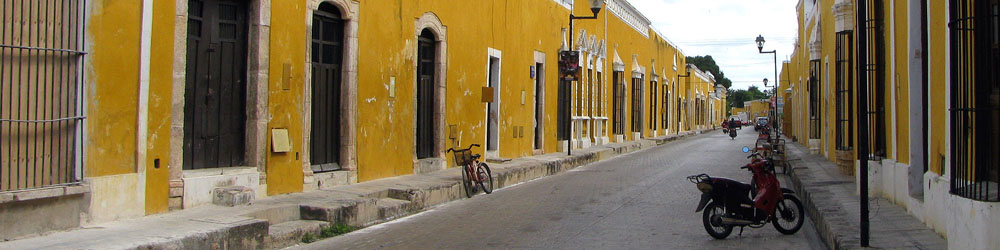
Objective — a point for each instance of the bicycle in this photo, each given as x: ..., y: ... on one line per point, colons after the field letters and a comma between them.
x: 473, y: 170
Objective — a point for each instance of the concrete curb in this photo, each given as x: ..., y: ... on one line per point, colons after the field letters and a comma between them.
x: 829, y: 198
x: 281, y: 221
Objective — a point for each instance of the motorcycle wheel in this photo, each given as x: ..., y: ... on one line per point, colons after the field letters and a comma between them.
x: 712, y: 218
x: 788, y: 215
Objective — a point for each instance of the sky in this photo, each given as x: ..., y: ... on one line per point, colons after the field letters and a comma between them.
x: 726, y: 30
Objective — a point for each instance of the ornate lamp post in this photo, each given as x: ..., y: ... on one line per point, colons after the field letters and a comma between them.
x: 760, y: 49
x: 595, y: 7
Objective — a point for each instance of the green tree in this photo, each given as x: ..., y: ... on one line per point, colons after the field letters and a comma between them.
x: 707, y: 63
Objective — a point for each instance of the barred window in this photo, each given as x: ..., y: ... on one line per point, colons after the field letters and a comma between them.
x: 652, y: 104
x: 845, y: 102
x: 41, y: 94
x: 666, y: 107
x: 975, y: 99
x: 815, y: 116
x: 618, y: 105
x: 875, y: 75
x: 637, y: 104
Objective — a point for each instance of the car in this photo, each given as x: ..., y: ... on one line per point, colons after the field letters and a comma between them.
x: 761, y: 123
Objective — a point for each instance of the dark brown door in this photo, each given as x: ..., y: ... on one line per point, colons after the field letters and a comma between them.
x: 327, y: 55
x: 215, y: 88
x: 425, y: 95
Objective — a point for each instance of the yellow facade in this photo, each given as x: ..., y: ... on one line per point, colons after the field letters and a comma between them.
x: 135, y: 95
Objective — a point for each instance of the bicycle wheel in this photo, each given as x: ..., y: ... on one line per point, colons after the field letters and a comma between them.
x: 485, y: 177
x: 466, y: 182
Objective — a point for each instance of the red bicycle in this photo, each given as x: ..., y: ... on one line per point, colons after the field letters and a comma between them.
x: 474, y: 172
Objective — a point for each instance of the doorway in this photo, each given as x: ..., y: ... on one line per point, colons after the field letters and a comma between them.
x: 425, y: 94
x: 327, y: 51
x: 493, y: 108
x: 215, y: 89
x: 539, y: 99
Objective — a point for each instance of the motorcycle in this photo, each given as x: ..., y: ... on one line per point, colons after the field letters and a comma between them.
x: 728, y: 203
x: 732, y: 134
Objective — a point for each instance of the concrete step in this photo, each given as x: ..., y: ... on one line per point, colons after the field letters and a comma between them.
x: 389, y: 208
x: 290, y: 233
x: 232, y: 196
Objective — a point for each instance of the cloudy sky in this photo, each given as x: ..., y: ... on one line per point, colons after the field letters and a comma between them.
x: 726, y: 29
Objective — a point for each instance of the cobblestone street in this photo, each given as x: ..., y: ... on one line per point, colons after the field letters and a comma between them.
x: 636, y: 201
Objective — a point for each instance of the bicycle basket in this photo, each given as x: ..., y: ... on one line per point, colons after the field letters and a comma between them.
x: 463, y: 157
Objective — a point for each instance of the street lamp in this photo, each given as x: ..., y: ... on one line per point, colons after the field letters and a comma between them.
x: 595, y: 7
x: 760, y: 49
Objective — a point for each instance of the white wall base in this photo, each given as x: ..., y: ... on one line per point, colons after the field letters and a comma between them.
x: 117, y: 197
x: 198, y: 184
x: 966, y: 223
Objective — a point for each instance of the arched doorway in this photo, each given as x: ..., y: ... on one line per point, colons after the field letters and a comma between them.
x: 327, y: 57
x: 425, y: 94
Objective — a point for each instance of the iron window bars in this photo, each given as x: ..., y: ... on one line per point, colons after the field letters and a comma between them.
x: 845, y: 100
x: 975, y: 99
x: 42, y: 109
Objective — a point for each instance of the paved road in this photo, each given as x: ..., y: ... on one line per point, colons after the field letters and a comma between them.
x: 636, y: 201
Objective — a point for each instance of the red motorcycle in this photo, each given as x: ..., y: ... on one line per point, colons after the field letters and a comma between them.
x: 729, y: 203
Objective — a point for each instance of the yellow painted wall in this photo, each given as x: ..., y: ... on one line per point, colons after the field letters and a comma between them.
x: 112, y: 76
x: 159, y: 109
x: 287, y: 46
x: 938, y: 117
x: 901, y: 84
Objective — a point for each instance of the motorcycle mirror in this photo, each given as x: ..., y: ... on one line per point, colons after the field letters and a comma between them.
x: 746, y: 149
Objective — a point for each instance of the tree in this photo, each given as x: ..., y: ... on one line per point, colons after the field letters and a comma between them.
x: 707, y: 63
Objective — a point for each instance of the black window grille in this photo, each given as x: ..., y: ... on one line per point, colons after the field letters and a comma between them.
x: 815, y: 114
x: 975, y: 99
x: 637, y: 104
x: 845, y: 100
x: 41, y: 93
x: 875, y: 75
x: 563, y: 103
x: 666, y: 107
x: 652, y: 105
x: 618, y: 109
x: 599, y: 95
x: 425, y: 94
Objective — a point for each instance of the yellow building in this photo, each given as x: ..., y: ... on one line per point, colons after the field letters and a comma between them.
x: 930, y: 145
x: 160, y: 103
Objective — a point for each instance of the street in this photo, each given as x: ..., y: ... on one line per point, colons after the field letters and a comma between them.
x: 635, y: 201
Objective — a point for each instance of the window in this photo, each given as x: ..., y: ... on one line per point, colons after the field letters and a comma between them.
x: 975, y: 99
x: 875, y: 75
x: 599, y: 94
x: 814, y: 100
x: 637, y: 104
x: 666, y: 107
x: 845, y: 104
x: 618, y: 106
x: 652, y: 105
x: 41, y: 112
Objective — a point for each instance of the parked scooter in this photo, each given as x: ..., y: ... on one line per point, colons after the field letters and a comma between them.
x: 729, y: 203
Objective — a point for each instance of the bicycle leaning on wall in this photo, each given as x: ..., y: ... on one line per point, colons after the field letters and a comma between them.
x: 473, y: 171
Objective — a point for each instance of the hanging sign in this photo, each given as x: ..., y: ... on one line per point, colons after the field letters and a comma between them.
x: 569, y: 65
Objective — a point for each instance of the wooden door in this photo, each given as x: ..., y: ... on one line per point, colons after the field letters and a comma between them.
x: 215, y: 86
x: 327, y: 55
x: 425, y: 95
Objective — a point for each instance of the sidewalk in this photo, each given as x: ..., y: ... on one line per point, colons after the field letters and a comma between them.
x: 832, y: 202
x: 280, y: 221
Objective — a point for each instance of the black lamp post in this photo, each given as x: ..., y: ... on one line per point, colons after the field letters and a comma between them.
x: 760, y: 49
x: 595, y: 6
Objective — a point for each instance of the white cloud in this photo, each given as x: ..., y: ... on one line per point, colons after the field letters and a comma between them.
x: 726, y: 29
